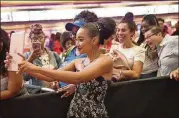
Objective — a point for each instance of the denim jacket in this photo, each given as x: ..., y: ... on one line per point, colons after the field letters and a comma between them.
x: 55, y: 60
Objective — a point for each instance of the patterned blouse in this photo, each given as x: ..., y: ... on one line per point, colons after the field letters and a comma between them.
x: 88, y: 101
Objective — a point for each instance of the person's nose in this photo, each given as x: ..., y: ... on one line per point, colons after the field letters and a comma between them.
x: 119, y: 33
x: 147, y: 41
x: 77, y: 43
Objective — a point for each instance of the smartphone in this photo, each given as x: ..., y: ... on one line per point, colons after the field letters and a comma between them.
x: 36, y: 46
x: 16, y: 46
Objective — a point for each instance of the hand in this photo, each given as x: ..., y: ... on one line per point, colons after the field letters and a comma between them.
x: 34, y: 55
x: 25, y: 66
x: 117, y: 74
x: 174, y: 74
x: 54, y: 85
x: 69, y: 90
x: 114, y: 55
x: 116, y: 52
x: 8, y: 60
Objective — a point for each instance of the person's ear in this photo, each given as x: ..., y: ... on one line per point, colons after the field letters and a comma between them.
x: 159, y: 34
x: 132, y: 34
x: 95, y: 40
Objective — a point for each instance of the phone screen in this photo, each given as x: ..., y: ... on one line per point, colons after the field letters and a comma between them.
x: 36, y: 46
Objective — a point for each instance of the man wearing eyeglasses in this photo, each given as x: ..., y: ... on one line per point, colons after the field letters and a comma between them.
x: 167, y: 49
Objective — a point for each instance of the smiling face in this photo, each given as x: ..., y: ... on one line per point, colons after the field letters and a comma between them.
x: 153, y: 39
x: 123, y: 33
x: 144, y: 26
x: 69, y: 44
x: 84, y: 42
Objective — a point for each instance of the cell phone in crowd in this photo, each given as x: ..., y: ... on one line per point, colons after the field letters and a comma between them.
x: 36, y: 46
x: 16, y: 46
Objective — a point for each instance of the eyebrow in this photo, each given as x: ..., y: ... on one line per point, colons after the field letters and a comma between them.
x: 80, y: 37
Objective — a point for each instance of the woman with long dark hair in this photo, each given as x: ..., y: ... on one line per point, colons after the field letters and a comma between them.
x: 11, y: 83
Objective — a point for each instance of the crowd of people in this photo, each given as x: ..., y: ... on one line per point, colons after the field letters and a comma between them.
x: 91, y: 52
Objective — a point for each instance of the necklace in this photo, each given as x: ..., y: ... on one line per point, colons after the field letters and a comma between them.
x: 86, y: 62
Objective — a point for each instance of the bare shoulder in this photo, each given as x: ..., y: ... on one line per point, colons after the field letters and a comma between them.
x: 105, y: 59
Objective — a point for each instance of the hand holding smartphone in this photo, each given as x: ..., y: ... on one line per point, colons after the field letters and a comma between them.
x: 36, y: 46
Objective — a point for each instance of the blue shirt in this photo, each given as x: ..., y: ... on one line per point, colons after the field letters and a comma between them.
x: 72, y: 56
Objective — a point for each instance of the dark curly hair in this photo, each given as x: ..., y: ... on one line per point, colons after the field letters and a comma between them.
x: 88, y: 16
x: 5, y: 40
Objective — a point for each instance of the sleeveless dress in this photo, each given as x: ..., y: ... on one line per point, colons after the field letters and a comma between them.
x: 88, y: 101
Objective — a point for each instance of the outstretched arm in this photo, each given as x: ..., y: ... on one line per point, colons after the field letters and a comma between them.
x: 98, y: 68
x: 69, y: 67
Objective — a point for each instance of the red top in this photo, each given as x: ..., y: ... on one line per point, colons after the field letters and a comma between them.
x: 57, y: 47
x: 109, y: 45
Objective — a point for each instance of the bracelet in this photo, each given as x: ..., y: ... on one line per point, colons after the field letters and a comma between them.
x: 120, y: 73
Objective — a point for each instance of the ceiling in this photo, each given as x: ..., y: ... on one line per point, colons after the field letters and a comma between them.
x: 46, y: 3
x: 61, y: 24
x: 36, y: 3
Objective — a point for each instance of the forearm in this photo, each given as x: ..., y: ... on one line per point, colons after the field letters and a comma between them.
x: 129, y: 74
x: 7, y: 94
x: 63, y: 76
x: 41, y: 77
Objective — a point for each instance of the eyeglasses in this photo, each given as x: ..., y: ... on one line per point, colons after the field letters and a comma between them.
x: 151, y: 35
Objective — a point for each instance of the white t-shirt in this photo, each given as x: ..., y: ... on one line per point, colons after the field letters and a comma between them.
x: 133, y: 54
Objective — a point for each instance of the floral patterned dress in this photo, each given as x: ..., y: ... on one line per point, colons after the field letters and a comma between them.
x: 88, y: 101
